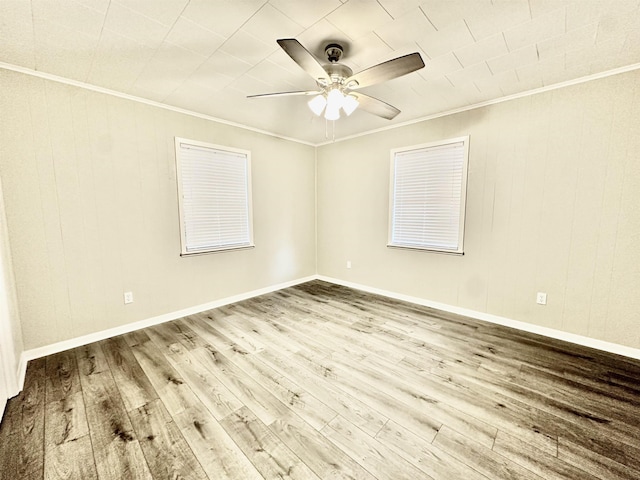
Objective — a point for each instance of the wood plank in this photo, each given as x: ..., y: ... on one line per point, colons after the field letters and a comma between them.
x: 537, y: 461
x: 24, y: 449
x: 597, y: 399
x: 316, y: 451
x: 244, y: 340
x: 576, y: 360
x: 427, y: 457
x: 135, y: 388
x: 12, y: 418
x: 90, y: 360
x: 564, y: 410
x: 599, y: 434
x: 213, y: 394
x: 272, y: 458
x: 22, y: 458
x: 474, y: 416
x: 359, y: 413
x: 316, y: 334
x: 519, y: 418
x: 65, y: 420
x: 365, y: 337
x: 376, y: 458
x: 164, y: 447
x: 213, y: 337
x: 253, y: 395
x: 380, y: 310
x: 480, y: 458
x: 137, y: 337
x: 62, y: 376
x: 70, y: 460
x: 116, y: 450
x: 168, y: 343
x: 304, y: 341
x: 217, y: 452
x: 98, y: 387
x: 185, y: 335
x: 4, y: 444
x: 598, y: 443
x: 389, y: 341
x: 307, y: 406
x: 166, y: 334
x: 167, y: 382
x: 257, y: 328
x: 410, y: 417
x: 594, y: 463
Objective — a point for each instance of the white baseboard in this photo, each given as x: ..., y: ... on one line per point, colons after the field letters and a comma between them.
x: 130, y: 327
x: 507, y: 322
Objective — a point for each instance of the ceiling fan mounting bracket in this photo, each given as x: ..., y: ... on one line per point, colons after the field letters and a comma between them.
x: 334, y: 52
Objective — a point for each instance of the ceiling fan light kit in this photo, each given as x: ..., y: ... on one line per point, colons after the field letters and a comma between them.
x: 336, y: 81
x: 334, y: 100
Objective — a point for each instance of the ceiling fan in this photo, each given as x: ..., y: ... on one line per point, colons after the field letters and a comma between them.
x: 338, y: 86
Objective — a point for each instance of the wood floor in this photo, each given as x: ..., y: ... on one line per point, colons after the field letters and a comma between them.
x: 319, y: 382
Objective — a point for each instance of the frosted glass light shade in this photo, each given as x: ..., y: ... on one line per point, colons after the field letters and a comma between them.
x: 332, y: 112
x: 349, y: 104
x: 335, y: 100
x: 317, y: 104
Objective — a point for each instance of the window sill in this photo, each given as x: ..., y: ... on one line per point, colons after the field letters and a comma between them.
x: 426, y: 249
x: 217, y: 250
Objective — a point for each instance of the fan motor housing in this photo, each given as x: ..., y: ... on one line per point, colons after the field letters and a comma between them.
x: 338, y: 72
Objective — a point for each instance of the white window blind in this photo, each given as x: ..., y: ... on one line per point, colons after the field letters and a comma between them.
x: 214, y: 188
x: 428, y: 190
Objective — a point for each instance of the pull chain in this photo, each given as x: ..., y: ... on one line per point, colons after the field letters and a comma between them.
x: 333, y: 130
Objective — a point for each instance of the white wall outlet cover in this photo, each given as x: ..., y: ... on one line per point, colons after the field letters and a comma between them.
x: 348, y: 263
x: 128, y: 297
x: 541, y: 298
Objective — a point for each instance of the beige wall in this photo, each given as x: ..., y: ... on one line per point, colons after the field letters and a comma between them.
x: 553, y: 205
x: 90, y: 195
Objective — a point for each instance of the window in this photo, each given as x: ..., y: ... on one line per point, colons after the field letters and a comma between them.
x: 428, y: 189
x: 214, y: 196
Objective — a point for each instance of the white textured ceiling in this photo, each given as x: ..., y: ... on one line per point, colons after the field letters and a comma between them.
x: 207, y: 55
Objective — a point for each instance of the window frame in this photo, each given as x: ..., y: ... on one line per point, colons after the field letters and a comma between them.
x: 184, y: 248
x: 463, y: 195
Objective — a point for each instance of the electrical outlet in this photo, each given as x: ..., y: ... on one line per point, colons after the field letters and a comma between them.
x: 348, y: 263
x: 128, y: 297
x: 541, y: 298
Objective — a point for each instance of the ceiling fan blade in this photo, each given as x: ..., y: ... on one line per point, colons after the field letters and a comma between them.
x: 377, y: 107
x: 303, y: 57
x: 286, y: 94
x: 385, y: 71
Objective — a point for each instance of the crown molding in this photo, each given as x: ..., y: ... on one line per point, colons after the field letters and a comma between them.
x: 153, y: 103
x: 548, y: 88
x: 106, y: 91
